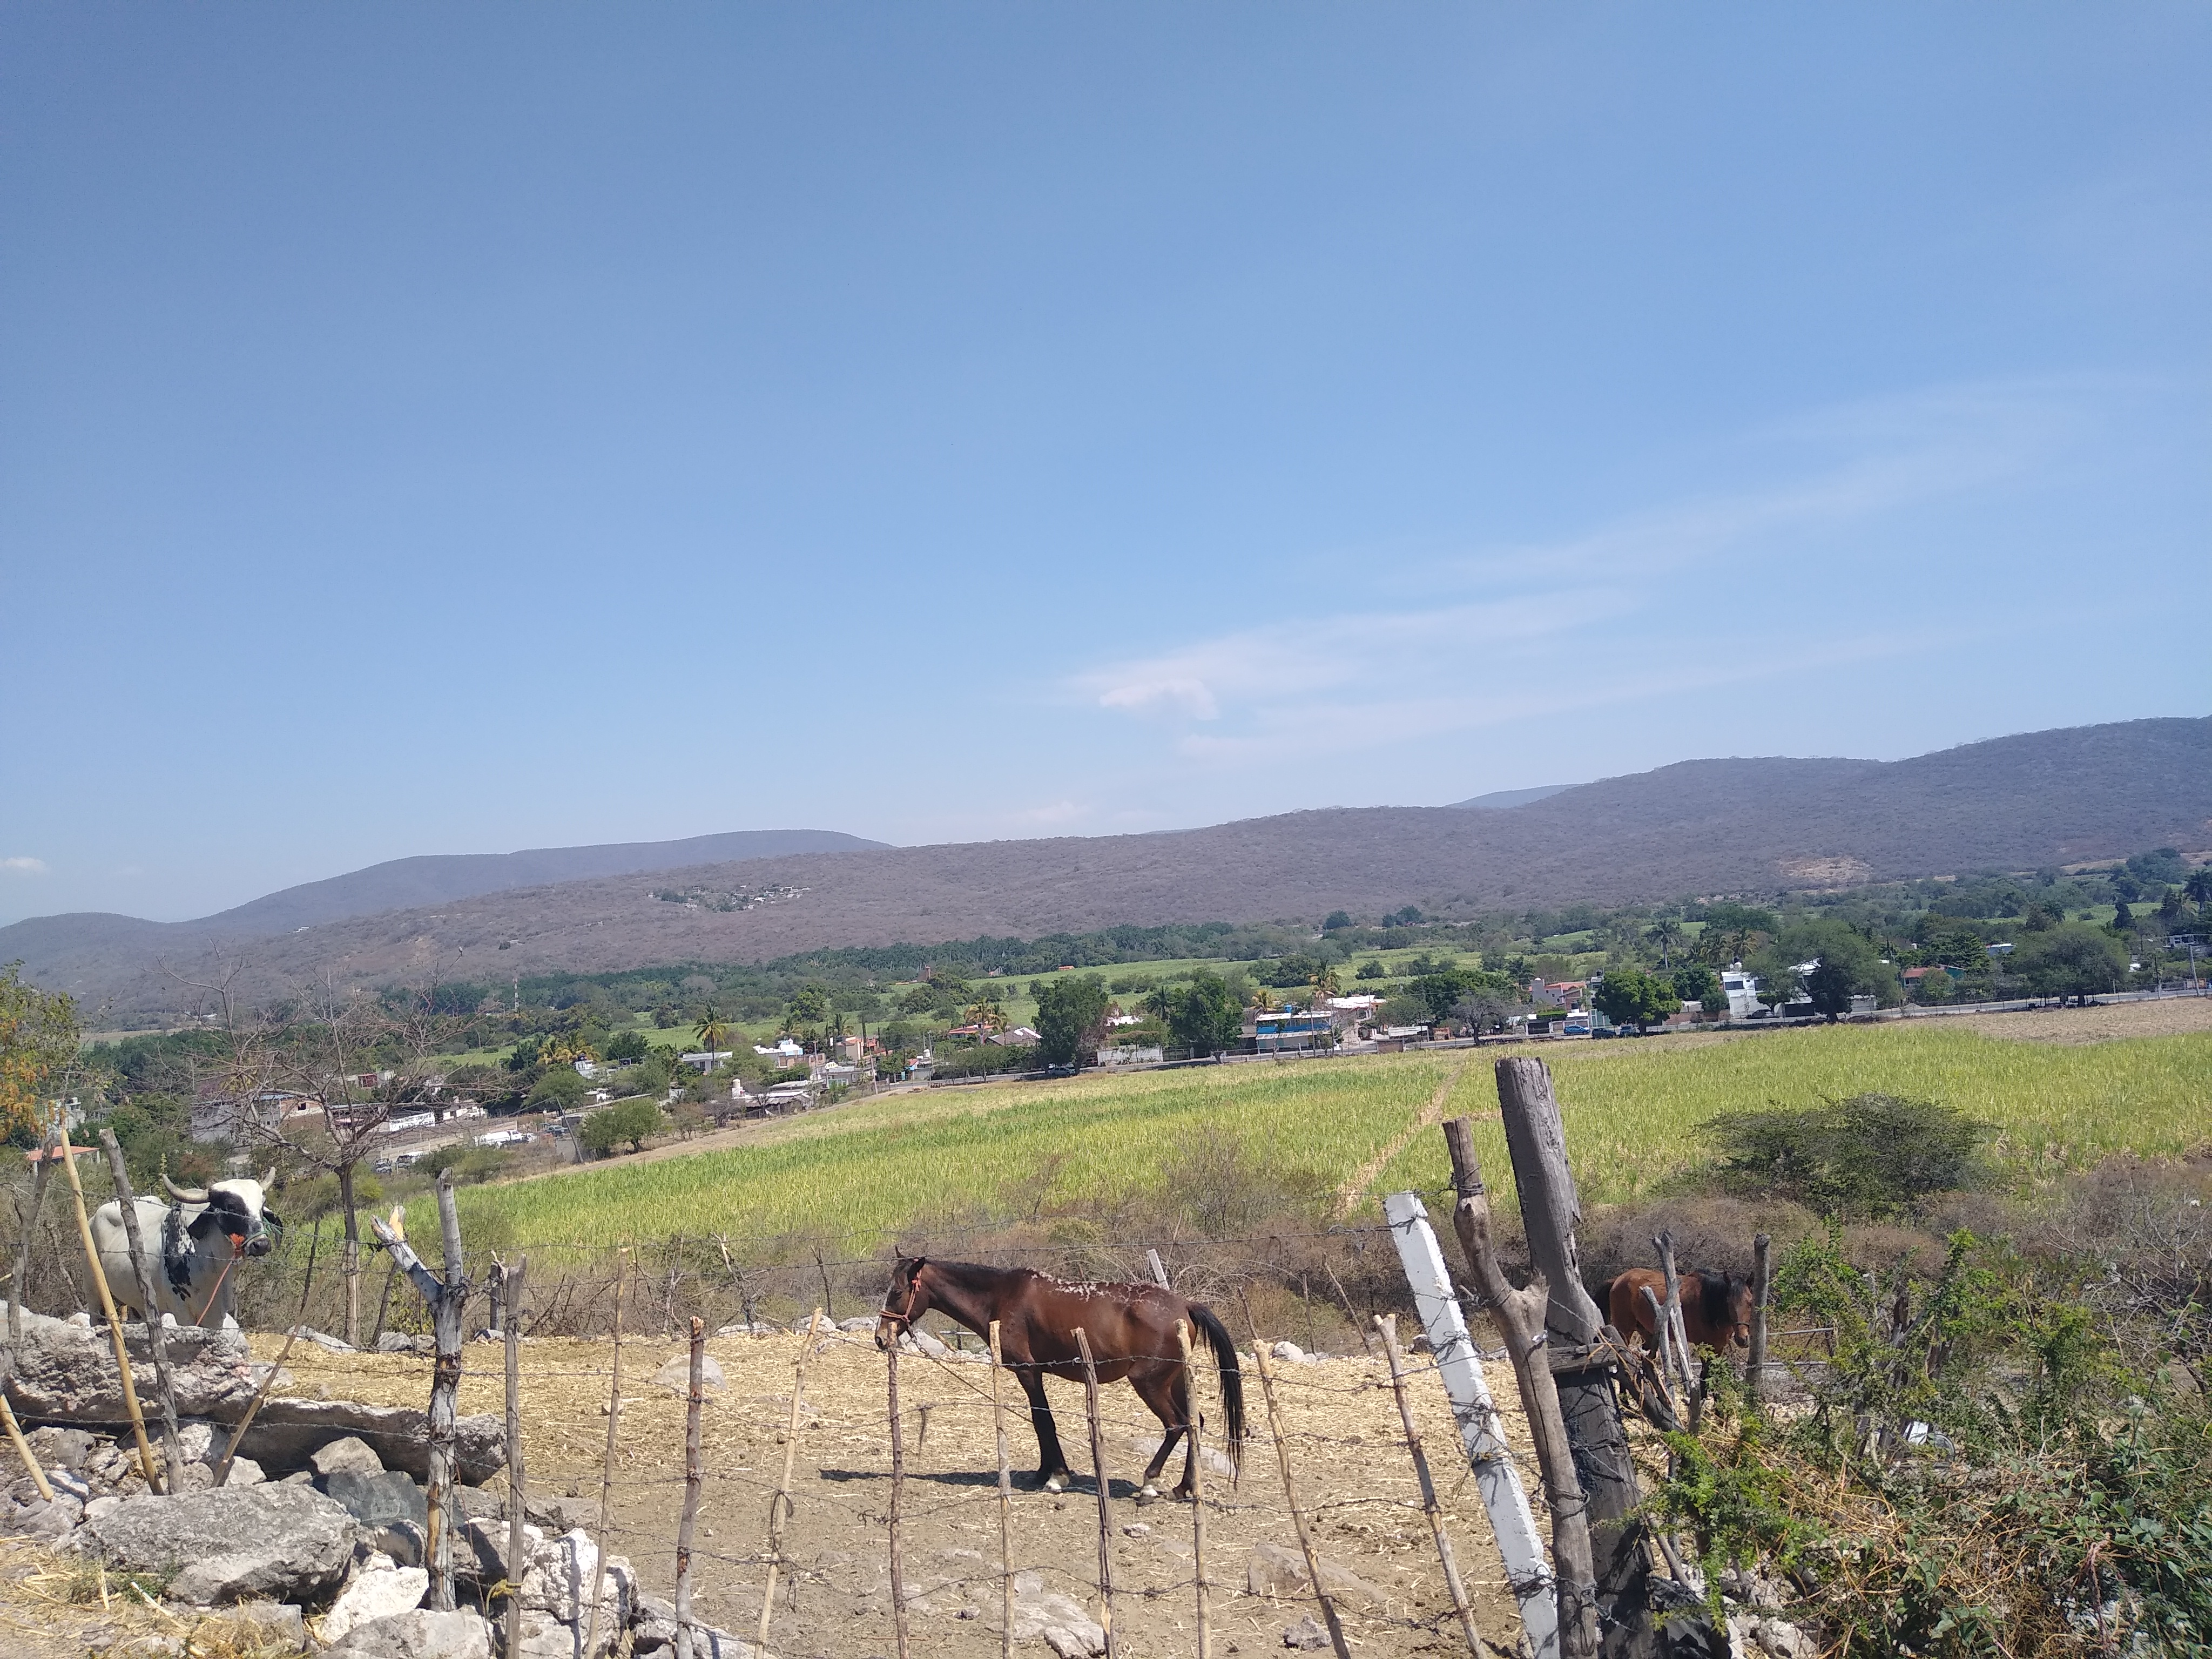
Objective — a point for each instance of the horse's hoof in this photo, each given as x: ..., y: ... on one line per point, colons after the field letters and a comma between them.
x: 1148, y: 1494
x: 1053, y: 1484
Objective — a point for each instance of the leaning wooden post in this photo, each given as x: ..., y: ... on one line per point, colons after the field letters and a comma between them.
x: 269, y: 1378
x: 695, y: 1475
x: 1006, y: 1510
x: 1197, y: 1494
x: 1520, y: 1318
x: 1665, y: 1341
x: 1581, y: 1369
x: 518, y: 1498
x: 1098, y: 1473
x: 30, y: 1218
x: 1664, y: 1244
x: 779, y: 1505
x: 1430, y: 1507
x: 114, y: 1320
x: 607, y: 1468
x: 898, y: 1502
x: 1290, y: 1499
x: 141, y: 1266
x: 447, y: 1299
x: 1762, y: 1285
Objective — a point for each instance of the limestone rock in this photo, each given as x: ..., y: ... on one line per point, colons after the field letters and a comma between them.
x: 559, y: 1581
x: 371, y: 1596
x: 245, y: 1471
x: 64, y: 1448
x: 1274, y: 1570
x: 65, y: 1372
x: 379, y: 1499
x: 1308, y: 1635
x: 676, y: 1374
x: 1290, y: 1352
x: 350, y: 1455
x: 1058, y: 1620
x: 421, y: 1634
x: 284, y: 1543
x: 40, y: 1519
x: 288, y: 1430
x: 655, y: 1632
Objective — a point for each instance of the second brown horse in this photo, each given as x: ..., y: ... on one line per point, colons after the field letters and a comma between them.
x: 1716, y: 1308
x: 1131, y: 1329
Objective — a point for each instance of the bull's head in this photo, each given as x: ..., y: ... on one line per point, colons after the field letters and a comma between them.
x: 237, y: 1209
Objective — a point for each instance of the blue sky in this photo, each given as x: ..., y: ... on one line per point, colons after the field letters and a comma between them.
x: 436, y: 430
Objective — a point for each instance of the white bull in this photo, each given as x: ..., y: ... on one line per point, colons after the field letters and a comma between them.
x: 192, y: 1244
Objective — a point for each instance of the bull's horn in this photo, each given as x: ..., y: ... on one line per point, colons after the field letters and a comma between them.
x: 183, y: 1194
x: 268, y: 1177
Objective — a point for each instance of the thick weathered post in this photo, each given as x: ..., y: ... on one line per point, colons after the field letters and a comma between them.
x: 114, y: 1320
x: 1550, y: 1207
x: 1197, y: 1495
x: 1098, y: 1473
x: 1519, y: 1318
x: 142, y: 1267
x: 694, y: 1476
x: 1762, y: 1285
x: 1430, y: 1507
x: 447, y: 1299
x: 1290, y: 1501
x: 1005, y: 1503
x: 779, y: 1505
x: 518, y: 1485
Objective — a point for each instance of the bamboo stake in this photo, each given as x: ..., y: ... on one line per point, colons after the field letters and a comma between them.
x: 126, y: 1202
x: 1761, y: 1287
x: 1290, y: 1499
x: 695, y: 1475
x: 1197, y: 1491
x: 1388, y: 1325
x: 779, y: 1506
x: 1005, y: 1507
x: 511, y: 1281
x: 261, y: 1394
x: 607, y: 1469
x: 1098, y: 1474
x: 114, y: 1320
x: 898, y: 1498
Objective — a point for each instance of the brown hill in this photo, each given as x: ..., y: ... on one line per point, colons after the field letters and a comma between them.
x: 1699, y: 827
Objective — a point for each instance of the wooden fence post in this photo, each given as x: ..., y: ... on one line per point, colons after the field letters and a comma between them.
x: 1197, y: 1495
x: 1582, y: 1373
x: 1430, y: 1507
x: 1099, y: 1479
x: 1005, y: 1503
x: 142, y: 1268
x: 517, y: 1495
x: 446, y: 1298
x: 1291, y: 1499
x: 1160, y: 1269
x: 1762, y: 1285
x: 114, y: 1320
x: 30, y: 1218
x: 899, y: 1501
x: 1664, y: 1244
x: 694, y: 1476
x: 607, y: 1468
x: 1497, y: 1476
x: 1519, y: 1318
x: 779, y: 1505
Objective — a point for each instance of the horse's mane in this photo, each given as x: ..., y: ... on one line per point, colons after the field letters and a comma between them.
x: 1714, y: 1290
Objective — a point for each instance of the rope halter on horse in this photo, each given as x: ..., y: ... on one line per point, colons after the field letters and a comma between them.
x: 913, y: 1292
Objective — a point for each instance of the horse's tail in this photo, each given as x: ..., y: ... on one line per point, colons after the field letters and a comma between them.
x: 1232, y: 1382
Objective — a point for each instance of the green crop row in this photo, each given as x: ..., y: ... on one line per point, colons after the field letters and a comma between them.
x: 1632, y: 1111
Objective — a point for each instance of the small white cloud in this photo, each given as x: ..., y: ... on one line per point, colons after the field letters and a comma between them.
x: 1188, y: 696
x: 24, y: 867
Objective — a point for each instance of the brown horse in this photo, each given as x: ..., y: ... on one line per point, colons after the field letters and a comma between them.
x: 1131, y: 1329
x: 1716, y: 1308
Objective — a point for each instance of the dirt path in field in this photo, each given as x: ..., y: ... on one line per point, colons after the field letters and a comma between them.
x: 2168, y: 1016
x: 1348, y: 1456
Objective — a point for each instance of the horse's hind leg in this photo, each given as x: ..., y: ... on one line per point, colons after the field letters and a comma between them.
x: 1169, y: 1395
x: 1052, y: 1463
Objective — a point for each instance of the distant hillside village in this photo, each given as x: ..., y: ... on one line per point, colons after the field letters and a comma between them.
x: 470, y: 1077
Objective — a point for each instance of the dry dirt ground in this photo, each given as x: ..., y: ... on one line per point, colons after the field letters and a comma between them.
x: 1348, y: 1460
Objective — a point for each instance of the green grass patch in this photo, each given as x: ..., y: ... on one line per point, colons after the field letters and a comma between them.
x: 1633, y: 1114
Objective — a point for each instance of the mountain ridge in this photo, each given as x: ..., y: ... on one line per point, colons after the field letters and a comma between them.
x: 1759, y: 825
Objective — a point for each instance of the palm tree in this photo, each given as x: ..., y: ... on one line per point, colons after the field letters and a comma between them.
x: 1326, y: 983
x: 1667, y: 934
x: 712, y: 1031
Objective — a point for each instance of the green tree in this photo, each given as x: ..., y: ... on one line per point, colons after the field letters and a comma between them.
x: 1071, y: 1014
x: 626, y: 1119
x: 1204, y: 1015
x: 2074, y: 958
x: 1372, y: 969
x: 1629, y: 996
x: 1336, y: 918
x: 1439, y: 991
x: 39, y: 1037
x: 810, y: 1005
x: 1829, y: 985
x: 560, y: 1090
x: 1696, y: 981
x: 626, y: 1048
